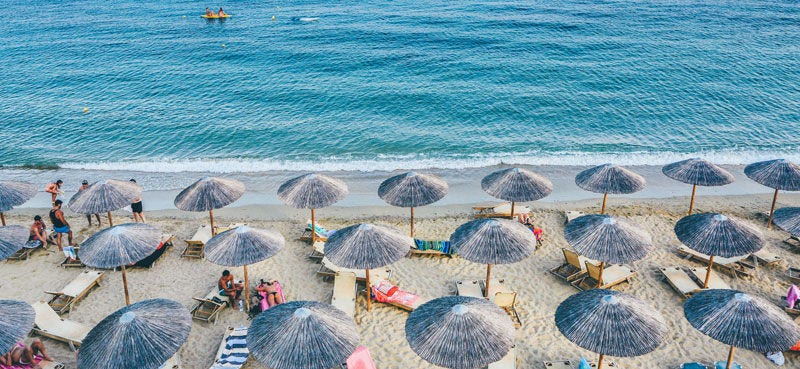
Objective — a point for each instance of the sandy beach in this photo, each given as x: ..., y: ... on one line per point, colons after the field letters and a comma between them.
x: 382, y: 329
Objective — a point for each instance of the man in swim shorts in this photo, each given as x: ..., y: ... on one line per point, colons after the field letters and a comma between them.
x: 60, y: 224
x: 37, y: 236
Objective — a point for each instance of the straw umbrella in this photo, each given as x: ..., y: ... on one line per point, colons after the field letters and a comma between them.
x: 516, y: 185
x: 741, y: 320
x: 412, y: 189
x: 140, y: 336
x: 788, y: 219
x: 16, y: 320
x: 610, y: 323
x: 209, y: 193
x: 242, y: 246
x: 105, y: 197
x: 493, y: 241
x: 367, y: 246
x: 302, y: 334
x: 697, y: 172
x: 12, y: 239
x: 609, y: 179
x: 14, y: 194
x: 779, y: 174
x: 608, y: 239
x: 119, y: 246
x: 460, y: 332
x: 312, y: 191
x: 718, y: 235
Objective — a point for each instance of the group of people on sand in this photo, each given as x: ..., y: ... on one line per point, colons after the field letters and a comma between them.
x: 268, y: 293
x: 221, y: 13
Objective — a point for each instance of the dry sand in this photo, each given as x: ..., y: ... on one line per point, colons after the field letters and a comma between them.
x: 382, y: 329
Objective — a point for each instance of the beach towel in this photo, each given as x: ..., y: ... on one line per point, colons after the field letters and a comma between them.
x: 441, y: 246
x: 397, y: 296
x: 792, y: 296
x: 321, y: 230
x: 235, y: 353
x: 69, y: 252
x: 264, y: 302
x: 360, y: 359
x: 584, y: 364
x: 724, y: 365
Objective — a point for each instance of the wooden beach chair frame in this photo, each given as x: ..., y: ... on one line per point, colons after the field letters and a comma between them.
x: 573, y: 266
x: 64, y: 300
x: 345, y: 292
x: 420, y: 300
x: 194, y: 246
x: 329, y: 270
x: 761, y: 257
x: 508, y: 301
x: 317, y: 251
x: 793, y: 274
x: 491, y: 211
x: 208, y: 309
x: 714, y: 282
x: 23, y: 253
x: 680, y: 281
x: 612, y: 276
x: 48, y: 324
x: 69, y: 263
x: 730, y: 266
x: 306, y: 235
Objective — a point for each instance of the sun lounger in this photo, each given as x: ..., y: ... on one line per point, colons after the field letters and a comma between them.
x: 48, y: 324
x: 432, y: 247
x: 574, y: 266
x: 475, y: 288
x: 344, y: 292
x: 328, y: 269
x: 63, y: 301
x: 508, y: 301
x: 317, y: 251
x: 507, y: 362
x: 571, y: 214
x: 25, y: 252
x: 793, y: 241
x: 148, y: 262
x: 502, y: 210
x: 219, y: 230
x: 680, y: 281
x: 714, y: 282
x: 71, y: 258
x: 194, y: 245
x: 387, y: 293
x: 762, y: 257
x: 793, y: 274
x: 728, y: 265
x: 573, y: 364
x: 232, y: 352
x: 612, y: 276
x: 209, y: 306
x: 360, y: 359
x: 321, y: 235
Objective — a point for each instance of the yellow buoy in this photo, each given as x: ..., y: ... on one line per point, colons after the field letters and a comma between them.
x: 85, y: 110
x: 273, y: 17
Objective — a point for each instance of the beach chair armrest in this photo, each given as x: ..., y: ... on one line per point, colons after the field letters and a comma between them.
x: 54, y: 293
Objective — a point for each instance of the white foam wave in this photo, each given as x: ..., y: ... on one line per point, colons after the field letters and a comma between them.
x: 390, y: 163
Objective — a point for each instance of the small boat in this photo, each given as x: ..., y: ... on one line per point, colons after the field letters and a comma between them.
x: 215, y: 16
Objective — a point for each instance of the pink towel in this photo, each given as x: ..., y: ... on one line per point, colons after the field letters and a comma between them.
x: 360, y: 359
x: 792, y: 296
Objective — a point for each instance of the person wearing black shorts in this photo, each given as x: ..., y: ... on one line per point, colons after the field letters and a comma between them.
x: 136, y: 207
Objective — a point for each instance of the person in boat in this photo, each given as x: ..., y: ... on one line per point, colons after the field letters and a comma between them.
x: 209, y: 13
x: 221, y: 13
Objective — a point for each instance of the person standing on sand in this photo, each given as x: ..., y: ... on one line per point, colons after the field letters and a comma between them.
x: 55, y: 190
x: 60, y: 224
x: 85, y: 185
x: 136, y: 208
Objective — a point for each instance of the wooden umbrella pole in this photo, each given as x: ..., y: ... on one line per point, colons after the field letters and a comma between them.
x: 313, y: 228
x: 110, y: 222
x: 3, y: 218
x: 412, y: 221
x: 691, y: 202
x: 603, y: 209
x: 512, y: 209
x: 488, y: 276
x: 125, y: 285
x: 369, y: 292
x: 730, y: 358
x: 211, y: 218
x: 600, y: 277
x: 600, y: 361
x: 708, y: 272
x: 246, y: 290
x: 772, y: 209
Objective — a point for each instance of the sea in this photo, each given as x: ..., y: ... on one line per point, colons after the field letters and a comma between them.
x: 121, y: 88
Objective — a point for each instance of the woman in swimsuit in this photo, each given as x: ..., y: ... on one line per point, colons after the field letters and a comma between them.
x: 269, y: 292
x: 24, y: 355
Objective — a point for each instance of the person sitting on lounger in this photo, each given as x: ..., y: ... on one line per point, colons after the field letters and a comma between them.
x: 228, y: 287
x: 25, y: 355
x: 37, y: 236
x: 269, y: 293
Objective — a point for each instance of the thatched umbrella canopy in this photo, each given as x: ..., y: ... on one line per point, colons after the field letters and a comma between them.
x: 105, y: 197
x: 16, y: 320
x: 241, y: 246
x: 367, y: 246
x: 516, y: 185
x: 609, y: 179
x: 608, y: 239
x: 140, y: 336
x: 610, y: 323
x: 460, y: 332
x: 12, y: 239
x: 302, y: 334
x: 14, y: 194
x: 741, y: 320
x: 718, y: 235
x: 312, y: 191
x: 788, y: 219
x: 209, y: 193
x: 119, y: 246
x: 779, y: 174
x: 412, y: 189
x: 697, y: 172
x: 493, y: 241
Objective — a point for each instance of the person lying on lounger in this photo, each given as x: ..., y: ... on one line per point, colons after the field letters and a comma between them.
x: 269, y: 291
x: 228, y: 287
x: 25, y: 355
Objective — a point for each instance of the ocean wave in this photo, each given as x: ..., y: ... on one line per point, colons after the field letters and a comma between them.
x: 390, y: 163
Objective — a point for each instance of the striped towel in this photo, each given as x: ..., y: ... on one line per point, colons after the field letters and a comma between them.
x: 235, y: 353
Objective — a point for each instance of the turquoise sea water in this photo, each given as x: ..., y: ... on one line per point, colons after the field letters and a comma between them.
x: 386, y: 85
